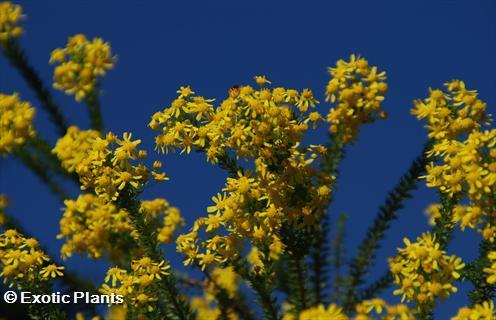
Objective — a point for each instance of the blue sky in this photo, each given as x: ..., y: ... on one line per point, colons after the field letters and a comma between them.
x: 163, y: 44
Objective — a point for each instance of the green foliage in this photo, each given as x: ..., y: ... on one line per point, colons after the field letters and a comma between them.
x: 337, y: 256
x: 18, y: 59
x: 482, y: 290
x: 94, y: 109
x: 366, y: 252
x: 319, y: 266
x: 171, y: 304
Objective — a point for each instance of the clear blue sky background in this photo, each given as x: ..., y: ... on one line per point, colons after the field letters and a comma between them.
x: 162, y: 45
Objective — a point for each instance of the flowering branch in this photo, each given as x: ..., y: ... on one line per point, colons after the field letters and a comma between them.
x: 173, y: 303
x: 337, y: 256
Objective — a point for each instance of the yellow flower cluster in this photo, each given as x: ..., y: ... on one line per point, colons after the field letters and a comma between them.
x: 105, y: 165
x: 433, y: 212
x: 256, y: 205
x: 16, y: 122
x: 139, y: 286
x: 424, y: 272
x: 366, y: 310
x: 205, y: 306
x: 253, y: 123
x: 171, y: 222
x: 22, y: 260
x: 464, y: 153
x: 255, y: 258
x: 452, y: 112
x: 92, y: 225
x: 74, y: 146
x: 321, y: 313
x: 491, y: 271
x: 379, y: 309
x: 10, y: 16
x: 356, y: 90
x: 205, y: 309
x: 264, y: 125
x: 483, y: 311
x: 465, y: 215
x: 80, y: 63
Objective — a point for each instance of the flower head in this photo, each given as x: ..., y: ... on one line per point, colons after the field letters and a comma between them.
x: 16, y: 122
x: 10, y: 16
x: 80, y: 64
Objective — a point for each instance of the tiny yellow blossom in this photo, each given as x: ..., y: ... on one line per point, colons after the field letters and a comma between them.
x: 356, y: 91
x: 10, y: 17
x: 16, y: 122
x: 51, y: 271
x: 80, y: 64
x: 482, y: 311
x: 424, y: 272
x: 139, y: 285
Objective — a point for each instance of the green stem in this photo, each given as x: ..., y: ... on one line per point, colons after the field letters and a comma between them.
x: 262, y: 284
x: 320, y: 251
x: 227, y: 303
x: 425, y: 315
x: 443, y: 229
x: 298, y: 294
x: 265, y: 299
x: 332, y: 159
x: 473, y: 271
x: 94, y: 110
x: 230, y: 165
x: 366, y: 252
x: 170, y: 302
x: 40, y: 169
x: 43, y: 147
x: 375, y: 288
x: 48, y: 311
x: 18, y: 59
x: 337, y: 255
x: 70, y: 279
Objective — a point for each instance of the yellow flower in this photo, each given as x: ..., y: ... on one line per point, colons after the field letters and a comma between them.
x: 461, y: 162
x: 22, y: 260
x: 225, y: 278
x: 482, y: 311
x: 10, y: 16
x: 368, y: 308
x: 356, y: 90
x: 321, y: 313
x: 424, y: 272
x: 432, y: 212
x: 80, y: 64
x: 51, y: 271
x: 491, y: 271
x: 139, y: 285
x: 74, y: 147
x: 93, y: 226
x: 262, y: 80
x: 107, y: 165
x: 16, y: 122
x: 306, y: 99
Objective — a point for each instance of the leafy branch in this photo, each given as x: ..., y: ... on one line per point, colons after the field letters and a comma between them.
x: 366, y: 252
x: 16, y: 56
